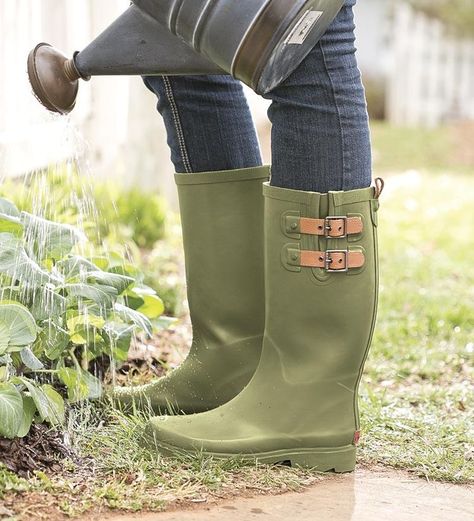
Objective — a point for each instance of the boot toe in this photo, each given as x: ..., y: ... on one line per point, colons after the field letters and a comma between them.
x: 214, y: 432
x: 168, y: 434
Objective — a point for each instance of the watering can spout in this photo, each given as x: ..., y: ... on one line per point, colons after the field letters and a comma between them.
x: 135, y: 44
x: 260, y: 42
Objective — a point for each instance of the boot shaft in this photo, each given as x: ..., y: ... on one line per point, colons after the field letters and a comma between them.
x: 321, y: 279
x: 222, y: 221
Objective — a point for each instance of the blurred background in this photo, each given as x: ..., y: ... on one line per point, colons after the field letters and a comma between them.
x: 417, y: 58
x: 107, y: 169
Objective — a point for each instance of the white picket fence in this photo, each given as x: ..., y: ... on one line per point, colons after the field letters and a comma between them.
x: 431, y: 78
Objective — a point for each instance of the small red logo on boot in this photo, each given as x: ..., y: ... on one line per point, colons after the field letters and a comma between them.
x: 356, y: 437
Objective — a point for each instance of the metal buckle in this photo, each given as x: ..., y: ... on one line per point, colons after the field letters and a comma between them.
x: 328, y: 261
x: 328, y: 227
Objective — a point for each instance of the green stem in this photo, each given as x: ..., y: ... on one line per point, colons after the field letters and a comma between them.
x: 75, y: 360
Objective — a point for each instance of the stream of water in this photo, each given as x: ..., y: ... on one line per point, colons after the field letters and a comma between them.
x: 62, y: 192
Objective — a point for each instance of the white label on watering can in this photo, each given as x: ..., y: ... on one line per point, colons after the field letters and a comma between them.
x: 302, y: 29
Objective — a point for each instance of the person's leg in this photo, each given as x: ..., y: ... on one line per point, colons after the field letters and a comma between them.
x: 216, y: 154
x: 320, y: 279
x: 320, y: 135
x: 208, y: 122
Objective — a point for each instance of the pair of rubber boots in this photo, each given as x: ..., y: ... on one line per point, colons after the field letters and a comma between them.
x: 282, y: 291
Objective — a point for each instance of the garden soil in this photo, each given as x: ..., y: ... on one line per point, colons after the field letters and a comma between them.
x: 42, y: 449
x: 363, y: 496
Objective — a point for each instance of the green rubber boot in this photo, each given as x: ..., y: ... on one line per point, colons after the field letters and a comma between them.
x: 222, y: 220
x: 321, y: 279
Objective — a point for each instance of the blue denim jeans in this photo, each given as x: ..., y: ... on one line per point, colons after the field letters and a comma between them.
x: 320, y: 130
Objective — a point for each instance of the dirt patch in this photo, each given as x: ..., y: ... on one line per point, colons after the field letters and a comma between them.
x: 42, y: 449
x: 366, y: 495
x: 149, y: 359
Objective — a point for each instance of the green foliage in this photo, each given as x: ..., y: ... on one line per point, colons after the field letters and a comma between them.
x: 105, y: 210
x: 164, y: 271
x: 59, y: 311
x: 458, y: 14
x: 441, y: 149
x: 130, y: 213
x: 128, y: 222
x: 11, y: 483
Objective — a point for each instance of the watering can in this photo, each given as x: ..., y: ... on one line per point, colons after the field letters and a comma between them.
x: 260, y: 42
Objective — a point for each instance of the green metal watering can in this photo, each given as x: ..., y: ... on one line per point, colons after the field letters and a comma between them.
x: 260, y: 42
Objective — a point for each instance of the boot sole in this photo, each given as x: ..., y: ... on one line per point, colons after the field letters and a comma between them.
x: 331, y: 459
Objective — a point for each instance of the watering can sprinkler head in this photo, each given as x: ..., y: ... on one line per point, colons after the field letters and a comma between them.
x: 54, y: 78
x: 260, y: 42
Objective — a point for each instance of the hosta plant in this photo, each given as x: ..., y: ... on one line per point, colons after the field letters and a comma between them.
x: 59, y: 311
x: 62, y: 193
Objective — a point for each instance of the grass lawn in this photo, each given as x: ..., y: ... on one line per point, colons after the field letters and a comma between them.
x: 439, y: 149
x: 418, y: 397
x: 417, y: 400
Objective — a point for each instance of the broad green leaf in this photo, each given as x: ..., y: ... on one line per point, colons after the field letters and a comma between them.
x: 85, y: 321
x: 51, y: 240
x: 30, y: 274
x: 77, y: 389
x: 74, y: 265
x: 8, y: 208
x: 30, y: 359
x: 29, y: 410
x: 136, y: 295
x: 103, y: 278
x: 102, y: 295
x: 11, y: 293
x: 132, y: 301
x: 52, y: 340
x: 87, y: 337
x: 153, y: 306
x: 36, y: 394
x: 4, y: 373
x: 17, y: 327
x: 119, y: 339
x: 15, y: 262
x: 11, y: 224
x: 55, y: 403
x: 5, y: 359
x: 4, y: 338
x: 125, y: 268
x: 46, y: 304
x: 9, y: 251
x: 94, y: 386
x: 87, y: 307
x: 83, y: 328
x: 11, y: 410
x: 131, y: 316
x: 101, y: 262
x: 80, y: 384
x: 94, y: 347
x: 45, y: 400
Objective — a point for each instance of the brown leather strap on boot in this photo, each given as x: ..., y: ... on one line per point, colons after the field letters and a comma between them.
x: 332, y: 260
x: 332, y: 227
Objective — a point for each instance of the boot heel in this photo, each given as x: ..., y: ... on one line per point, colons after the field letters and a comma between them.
x: 337, y: 460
